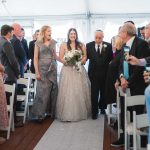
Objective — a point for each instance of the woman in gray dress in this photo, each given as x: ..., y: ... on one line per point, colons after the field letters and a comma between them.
x: 46, y: 74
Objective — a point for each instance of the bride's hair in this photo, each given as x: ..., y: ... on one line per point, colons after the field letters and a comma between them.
x: 78, y: 44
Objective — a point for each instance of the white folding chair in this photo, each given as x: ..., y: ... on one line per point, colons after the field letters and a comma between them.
x: 131, y: 101
x: 139, y: 121
x: 33, y: 82
x: 110, y: 113
x: 32, y: 88
x: 11, y: 90
x: 120, y: 93
x: 23, y: 98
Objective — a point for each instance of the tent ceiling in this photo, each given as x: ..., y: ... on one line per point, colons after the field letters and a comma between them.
x: 71, y: 7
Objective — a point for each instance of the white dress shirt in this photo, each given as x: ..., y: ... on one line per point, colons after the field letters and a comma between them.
x: 130, y: 42
x: 100, y: 47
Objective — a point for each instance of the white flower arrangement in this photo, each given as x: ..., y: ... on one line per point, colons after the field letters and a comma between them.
x: 73, y: 58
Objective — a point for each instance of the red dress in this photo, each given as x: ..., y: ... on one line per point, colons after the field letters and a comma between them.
x: 3, y: 105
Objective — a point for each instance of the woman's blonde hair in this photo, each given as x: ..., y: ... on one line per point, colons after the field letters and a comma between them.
x: 118, y: 42
x: 42, y: 33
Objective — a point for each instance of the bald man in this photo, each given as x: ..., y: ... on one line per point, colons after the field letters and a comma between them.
x: 99, y: 54
x: 18, y: 47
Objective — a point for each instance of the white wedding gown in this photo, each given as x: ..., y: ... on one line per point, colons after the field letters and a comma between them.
x: 74, y: 98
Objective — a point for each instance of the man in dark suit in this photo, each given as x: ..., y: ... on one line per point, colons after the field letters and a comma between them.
x: 25, y: 46
x: 7, y: 54
x: 31, y: 50
x: 10, y: 63
x: 18, y: 48
x: 139, y: 48
x: 99, y: 54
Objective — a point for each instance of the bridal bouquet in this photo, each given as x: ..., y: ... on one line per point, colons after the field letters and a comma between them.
x: 73, y: 58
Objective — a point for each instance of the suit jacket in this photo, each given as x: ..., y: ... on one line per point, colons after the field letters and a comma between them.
x: 8, y: 59
x: 19, y: 50
x: 136, y: 82
x: 98, y: 65
x: 31, y: 54
x: 25, y: 46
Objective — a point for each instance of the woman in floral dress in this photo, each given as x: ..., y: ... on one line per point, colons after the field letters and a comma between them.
x: 3, y: 104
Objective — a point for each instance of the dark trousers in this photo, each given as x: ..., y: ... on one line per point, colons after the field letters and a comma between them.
x: 98, y: 95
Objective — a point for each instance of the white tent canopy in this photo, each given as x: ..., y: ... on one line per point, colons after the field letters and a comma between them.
x: 85, y: 15
x: 35, y: 8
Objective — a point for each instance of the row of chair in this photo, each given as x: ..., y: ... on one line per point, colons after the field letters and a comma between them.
x: 131, y: 127
x: 30, y: 82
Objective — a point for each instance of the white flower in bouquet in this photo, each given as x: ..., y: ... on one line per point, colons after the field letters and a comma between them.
x: 73, y: 58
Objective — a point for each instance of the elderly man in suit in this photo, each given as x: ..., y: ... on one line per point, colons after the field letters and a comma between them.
x: 99, y: 54
x: 18, y: 47
x: 131, y: 76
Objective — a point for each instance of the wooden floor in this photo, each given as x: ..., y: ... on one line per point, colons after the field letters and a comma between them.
x: 27, y: 137
x: 110, y: 135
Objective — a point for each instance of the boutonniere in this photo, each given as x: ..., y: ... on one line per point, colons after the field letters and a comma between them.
x: 104, y: 47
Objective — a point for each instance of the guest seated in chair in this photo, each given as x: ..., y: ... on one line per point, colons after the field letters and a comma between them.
x: 143, y: 62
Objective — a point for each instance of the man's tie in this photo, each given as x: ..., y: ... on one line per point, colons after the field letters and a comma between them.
x: 125, y: 63
x: 98, y: 50
x: 126, y: 69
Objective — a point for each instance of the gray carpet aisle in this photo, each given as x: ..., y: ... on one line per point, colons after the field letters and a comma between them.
x: 83, y: 135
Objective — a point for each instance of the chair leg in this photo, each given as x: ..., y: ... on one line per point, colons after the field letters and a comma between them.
x: 13, y: 124
x: 25, y: 112
x: 134, y: 142
x: 109, y: 114
x: 9, y: 125
x: 126, y: 141
x: 138, y: 142
x: 118, y: 117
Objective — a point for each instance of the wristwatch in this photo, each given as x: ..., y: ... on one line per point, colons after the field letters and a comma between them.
x: 122, y: 76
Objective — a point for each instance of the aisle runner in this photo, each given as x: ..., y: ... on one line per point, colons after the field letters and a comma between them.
x: 83, y: 135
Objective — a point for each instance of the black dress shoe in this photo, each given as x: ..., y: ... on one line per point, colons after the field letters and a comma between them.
x: 118, y: 143
x: 94, y: 117
x: 19, y: 124
x: 103, y: 111
x: 37, y: 120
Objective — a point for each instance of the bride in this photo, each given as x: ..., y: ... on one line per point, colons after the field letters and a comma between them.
x: 74, y: 100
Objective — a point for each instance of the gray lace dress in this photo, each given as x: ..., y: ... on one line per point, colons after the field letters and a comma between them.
x: 47, y: 89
